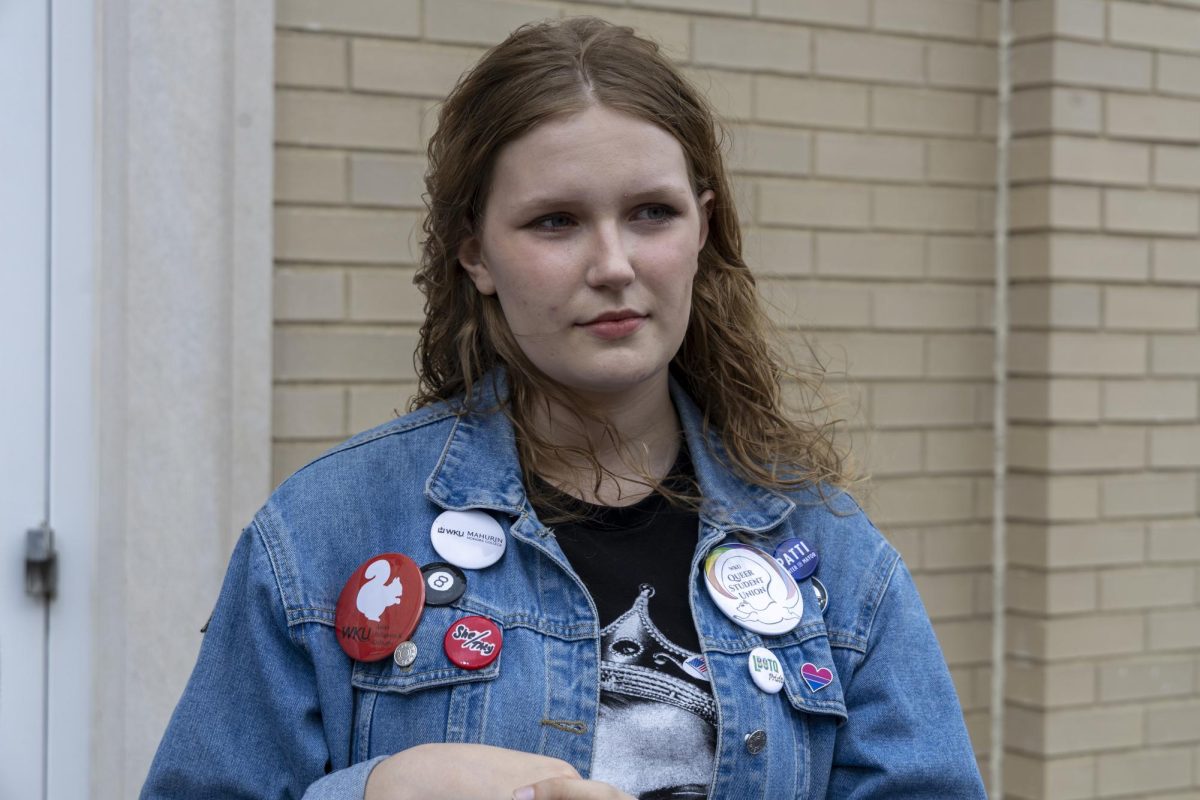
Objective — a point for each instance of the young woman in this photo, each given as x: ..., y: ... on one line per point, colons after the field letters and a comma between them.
x: 617, y: 520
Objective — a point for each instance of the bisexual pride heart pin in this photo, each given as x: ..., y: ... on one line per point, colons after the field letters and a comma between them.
x: 816, y: 677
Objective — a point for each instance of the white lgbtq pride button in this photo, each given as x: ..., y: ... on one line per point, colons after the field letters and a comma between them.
x: 752, y: 589
x: 766, y: 670
x: 468, y: 539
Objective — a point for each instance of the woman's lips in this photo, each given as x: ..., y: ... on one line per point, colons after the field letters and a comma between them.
x: 608, y: 326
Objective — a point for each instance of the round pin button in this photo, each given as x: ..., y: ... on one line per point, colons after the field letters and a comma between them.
x: 752, y: 589
x: 697, y: 667
x: 822, y: 593
x: 468, y: 539
x: 444, y: 583
x: 766, y: 670
x: 473, y: 642
x: 379, y: 606
x: 405, y: 654
x: 797, y: 558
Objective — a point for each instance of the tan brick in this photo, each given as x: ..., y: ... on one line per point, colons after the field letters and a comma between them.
x: 671, y: 31
x: 771, y: 151
x: 1144, y: 679
x: 1156, y: 27
x: 303, y: 234
x: 1151, y: 308
x: 959, y: 355
x: 951, y: 18
x: 1175, y: 540
x: 1040, y: 778
x: 1174, y: 723
x: 1064, y: 207
x: 375, y: 405
x: 751, y: 45
x: 1057, y: 306
x: 887, y: 158
x: 946, y: 596
x: 1179, y: 74
x: 372, y: 17
x: 1077, y: 19
x: 1131, y: 211
x: 309, y: 412
x: 964, y: 642
x: 1153, y: 118
x: 309, y: 176
x: 1072, y: 545
x: 1075, y: 257
x: 890, y: 452
x: 926, y: 404
x: 1050, y: 685
x: 922, y: 500
x: 928, y: 307
x: 915, y: 208
x: 961, y: 162
x: 1057, y: 110
x: 1174, y: 630
x: 343, y: 120
x: 385, y: 295
x: 423, y: 70
x: 344, y: 355
x: 1051, y: 593
x: 1177, y: 167
x: 310, y: 61
x: 826, y: 205
x: 309, y: 294
x: 778, y: 251
x: 1077, y: 448
x: 1147, y: 587
x: 1175, y: 354
x: 821, y: 104
x: 380, y: 180
x: 1065, y: 354
x: 1077, y: 637
x: 1149, y: 495
x: 1059, y: 498
x: 730, y: 93
x: 1149, y: 400
x: 960, y: 66
x: 743, y: 7
x: 1143, y: 772
x: 485, y: 22
x: 851, y: 13
x: 1053, y: 400
x: 922, y: 111
x: 1078, y: 160
x: 892, y: 59
x: 961, y: 258
x: 958, y: 451
x: 870, y: 255
x: 1175, y: 446
x: 821, y: 305
x: 287, y: 457
x: 873, y: 355
x: 1080, y: 64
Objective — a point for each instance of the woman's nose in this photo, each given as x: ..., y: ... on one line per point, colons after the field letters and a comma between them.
x: 609, y: 259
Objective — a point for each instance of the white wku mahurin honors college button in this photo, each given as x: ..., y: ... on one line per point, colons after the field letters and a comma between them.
x: 766, y: 670
x: 468, y: 539
x: 752, y: 589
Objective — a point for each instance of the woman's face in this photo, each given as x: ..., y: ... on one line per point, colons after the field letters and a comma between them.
x: 589, y: 239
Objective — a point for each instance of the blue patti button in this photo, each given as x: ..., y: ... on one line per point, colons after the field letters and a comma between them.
x: 797, y: 558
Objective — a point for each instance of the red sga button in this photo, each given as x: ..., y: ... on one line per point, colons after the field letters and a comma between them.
x: 473, y: 642
x: 379, y: 607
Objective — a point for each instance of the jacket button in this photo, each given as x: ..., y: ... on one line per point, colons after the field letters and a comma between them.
x: 756, y: 742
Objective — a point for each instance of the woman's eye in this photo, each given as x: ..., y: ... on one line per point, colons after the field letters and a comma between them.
x: 553, y: 222
x: 657, y: 213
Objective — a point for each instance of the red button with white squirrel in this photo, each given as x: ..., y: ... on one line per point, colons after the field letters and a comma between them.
x: 380, y: 606
x: 473, y: 642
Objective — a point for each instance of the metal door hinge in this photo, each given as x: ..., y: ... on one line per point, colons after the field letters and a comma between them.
x: 41, y: 562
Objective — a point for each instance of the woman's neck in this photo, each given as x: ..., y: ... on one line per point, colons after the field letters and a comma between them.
x: 647, y: 440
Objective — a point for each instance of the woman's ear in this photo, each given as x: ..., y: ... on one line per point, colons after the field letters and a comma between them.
x: 470, y: 255
x: 705, y: 205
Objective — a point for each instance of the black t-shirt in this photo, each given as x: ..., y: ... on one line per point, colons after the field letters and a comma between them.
x: 657, y: 727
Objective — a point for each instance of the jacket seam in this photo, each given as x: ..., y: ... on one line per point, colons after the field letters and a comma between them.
x: 273, y: 559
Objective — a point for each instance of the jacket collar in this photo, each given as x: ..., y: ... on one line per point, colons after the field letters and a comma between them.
x: 479, y: 467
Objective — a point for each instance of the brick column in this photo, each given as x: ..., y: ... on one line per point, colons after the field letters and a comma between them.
x: 1105, y: 359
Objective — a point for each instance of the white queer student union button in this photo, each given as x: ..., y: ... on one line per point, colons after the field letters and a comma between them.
x: 752, y: 589
x: 468, y: 539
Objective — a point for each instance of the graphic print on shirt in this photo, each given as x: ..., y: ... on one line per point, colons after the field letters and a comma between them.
x: 657, y: 729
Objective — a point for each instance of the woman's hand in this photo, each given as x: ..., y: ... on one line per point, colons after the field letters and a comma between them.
x: 467, y: 772
x: 570, y: 789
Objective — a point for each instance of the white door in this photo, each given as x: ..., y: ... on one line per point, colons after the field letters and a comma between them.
x: 47, y: 435
x: 24, y: 401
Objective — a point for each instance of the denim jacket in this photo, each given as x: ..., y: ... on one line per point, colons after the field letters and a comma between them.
x: 275, y: 708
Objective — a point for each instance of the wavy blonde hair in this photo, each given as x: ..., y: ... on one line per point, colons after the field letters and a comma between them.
x: 725, y: 363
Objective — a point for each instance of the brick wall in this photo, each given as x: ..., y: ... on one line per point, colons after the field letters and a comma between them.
x: 864, y: 166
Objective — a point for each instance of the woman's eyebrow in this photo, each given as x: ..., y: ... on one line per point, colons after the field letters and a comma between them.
x: 540, y: 202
